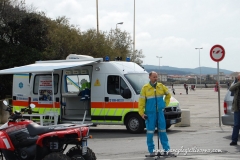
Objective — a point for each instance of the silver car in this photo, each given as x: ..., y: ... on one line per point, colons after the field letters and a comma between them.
x: 228, y: 117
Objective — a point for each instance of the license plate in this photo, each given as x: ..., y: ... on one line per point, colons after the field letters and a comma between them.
x: 84, y: 147
x: 84, y: 150
x: 173, y: 121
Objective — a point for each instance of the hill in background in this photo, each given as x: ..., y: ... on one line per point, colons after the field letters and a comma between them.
x: 185, y: 71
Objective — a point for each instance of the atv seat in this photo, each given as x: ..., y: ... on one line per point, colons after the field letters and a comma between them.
x: 35, y: 129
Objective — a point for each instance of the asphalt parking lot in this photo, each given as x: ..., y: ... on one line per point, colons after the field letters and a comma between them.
x: 203, y: 137
x: 198, y: 141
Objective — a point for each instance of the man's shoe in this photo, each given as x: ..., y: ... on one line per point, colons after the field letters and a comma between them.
x: 170, y: 154
x: 152, y: 154
x: 233, y: 143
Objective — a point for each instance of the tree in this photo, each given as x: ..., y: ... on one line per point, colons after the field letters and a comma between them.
x: 135, y: 57
x: 27, y: 36
x: 208, y: 78
x: 22, y: 38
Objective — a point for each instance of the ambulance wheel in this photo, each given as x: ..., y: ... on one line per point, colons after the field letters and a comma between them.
x: 135, y: 123
x: 56, y: 155
x: 168, y: 126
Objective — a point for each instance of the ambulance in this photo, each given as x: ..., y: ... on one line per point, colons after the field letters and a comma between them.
x: 98, y: 90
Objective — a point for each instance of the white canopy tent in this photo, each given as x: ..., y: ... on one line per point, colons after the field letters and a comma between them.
x: 47, y: 66
x: 43, y: 67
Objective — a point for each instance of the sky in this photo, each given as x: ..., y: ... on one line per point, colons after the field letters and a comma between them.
x: 170, y: 29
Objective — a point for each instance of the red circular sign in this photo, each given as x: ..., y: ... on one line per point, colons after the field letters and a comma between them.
x: 217, y: 53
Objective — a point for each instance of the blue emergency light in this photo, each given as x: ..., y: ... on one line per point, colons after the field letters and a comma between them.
x: 128, y: 59
x: 106, y: 58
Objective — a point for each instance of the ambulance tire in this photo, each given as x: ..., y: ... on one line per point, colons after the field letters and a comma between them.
x: 168, y: 126
x: 135, y: 123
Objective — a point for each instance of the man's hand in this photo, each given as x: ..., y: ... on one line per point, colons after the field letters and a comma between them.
x: 143, y: 116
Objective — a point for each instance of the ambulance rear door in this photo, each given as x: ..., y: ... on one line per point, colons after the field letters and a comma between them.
x: 21, y: 90
x: 42, y: 94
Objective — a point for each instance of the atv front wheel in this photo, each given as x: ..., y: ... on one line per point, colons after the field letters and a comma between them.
x: 57, y: 156
x: 76, y: 154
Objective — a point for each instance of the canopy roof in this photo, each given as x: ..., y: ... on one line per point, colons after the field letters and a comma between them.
x: 45, y: 67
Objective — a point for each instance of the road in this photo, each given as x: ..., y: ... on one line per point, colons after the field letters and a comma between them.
x: 115, y: 143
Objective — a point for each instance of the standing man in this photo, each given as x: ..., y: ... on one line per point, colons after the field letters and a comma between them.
x: 151, y: 99
x: 186, y: 87
x: 236, y: 109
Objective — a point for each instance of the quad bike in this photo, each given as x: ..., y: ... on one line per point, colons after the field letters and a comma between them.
x: 23, y: 139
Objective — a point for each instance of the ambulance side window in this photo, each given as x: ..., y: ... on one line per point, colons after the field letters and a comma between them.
x: 75, y: 83
x: 36, y: 83
x: 115, y: 85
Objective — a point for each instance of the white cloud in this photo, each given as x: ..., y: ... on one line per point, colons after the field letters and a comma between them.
x: 170, y: 28
x: 175, y: 42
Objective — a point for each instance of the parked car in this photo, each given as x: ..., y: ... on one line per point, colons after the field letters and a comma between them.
x: 228, y: 117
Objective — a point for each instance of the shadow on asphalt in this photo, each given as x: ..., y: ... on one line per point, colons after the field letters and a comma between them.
x: 230, y: 139
x: 121, y: 133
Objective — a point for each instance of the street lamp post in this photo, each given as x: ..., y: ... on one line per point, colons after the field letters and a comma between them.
x: 118, y: 23
x: 134, y: 29
x: 159, y: 68
x: 199, y: 64
x: 97, y: 15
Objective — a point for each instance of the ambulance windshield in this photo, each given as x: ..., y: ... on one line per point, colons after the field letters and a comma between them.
x: 137, y: 80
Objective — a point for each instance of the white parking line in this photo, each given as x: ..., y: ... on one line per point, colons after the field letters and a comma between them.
x: 124, y: 158
x: 199, y: 157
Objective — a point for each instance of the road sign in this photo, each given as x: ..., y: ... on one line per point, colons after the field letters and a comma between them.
x: 217, y: 53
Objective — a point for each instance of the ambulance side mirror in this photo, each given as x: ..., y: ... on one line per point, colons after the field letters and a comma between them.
x: 126, y: 93
x: 5, y: 102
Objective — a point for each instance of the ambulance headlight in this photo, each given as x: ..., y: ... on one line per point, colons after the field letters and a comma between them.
x: 178, y: 108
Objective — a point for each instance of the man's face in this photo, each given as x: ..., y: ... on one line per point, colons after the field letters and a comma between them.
x: 153, y: 77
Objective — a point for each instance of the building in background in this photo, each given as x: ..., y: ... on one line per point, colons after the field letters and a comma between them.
x: 162, y: 77
x: 221, y: 76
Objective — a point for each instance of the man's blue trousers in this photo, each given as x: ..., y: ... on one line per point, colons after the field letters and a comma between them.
x: 151, y: 123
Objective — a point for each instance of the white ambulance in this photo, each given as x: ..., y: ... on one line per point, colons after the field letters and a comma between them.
x: 101, y: 91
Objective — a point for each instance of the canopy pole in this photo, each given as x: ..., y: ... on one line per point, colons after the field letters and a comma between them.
x: 53, y: 91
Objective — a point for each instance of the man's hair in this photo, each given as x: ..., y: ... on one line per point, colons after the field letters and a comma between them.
x: 151, y: 73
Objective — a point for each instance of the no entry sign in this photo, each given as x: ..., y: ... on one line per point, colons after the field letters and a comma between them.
x: 217, y: 53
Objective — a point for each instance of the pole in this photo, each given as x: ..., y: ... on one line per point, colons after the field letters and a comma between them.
x: 200, y: 67
x: 159, y: 71
x: 134, y: 29
x: 97, y: 16
x: 53, y: 99
x: 196, y: 82
x: 219, y: 109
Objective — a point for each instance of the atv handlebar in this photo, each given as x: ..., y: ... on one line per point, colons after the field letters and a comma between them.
x: 28, y: 110
x: 18, y: 114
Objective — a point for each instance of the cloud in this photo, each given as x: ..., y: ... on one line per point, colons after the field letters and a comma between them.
x: 171, y: 29
x: 167, y: 43
x: 176, y: 42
